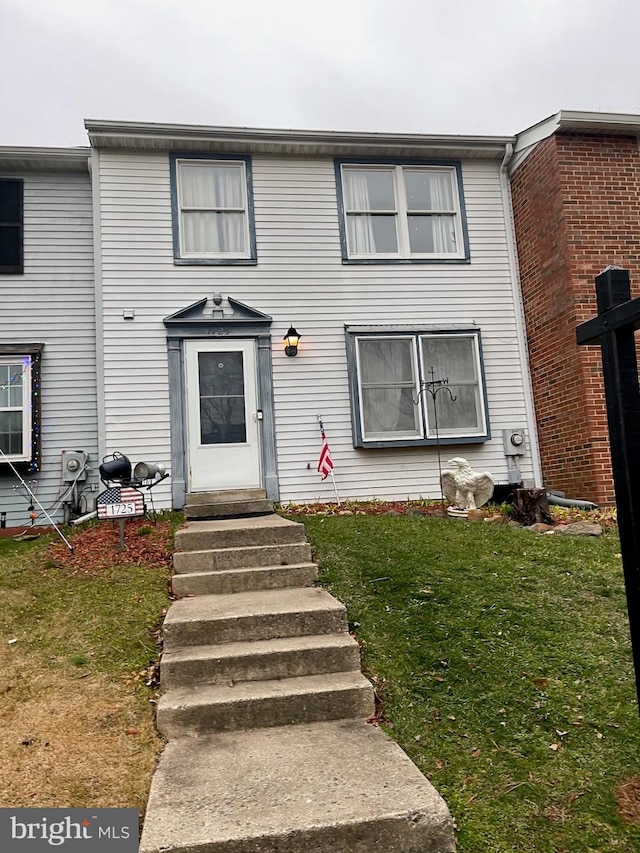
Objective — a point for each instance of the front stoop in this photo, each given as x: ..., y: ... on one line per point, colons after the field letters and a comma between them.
x: 265, y: 709
x: 337, y: 787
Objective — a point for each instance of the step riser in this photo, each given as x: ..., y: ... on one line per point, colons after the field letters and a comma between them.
x: 195, y: 498
x: 203, y: 540
x: 259, y: 627
x: 290, y: 664
x: 356, y: 702
x: 244, y: 580
x: 188, y: 562
x: 227, y: 509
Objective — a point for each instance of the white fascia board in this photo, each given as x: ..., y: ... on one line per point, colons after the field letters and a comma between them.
x: 165, y: 136
x: 25, y: 157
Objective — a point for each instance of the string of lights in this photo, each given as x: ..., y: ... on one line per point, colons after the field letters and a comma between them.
x: 12, y: 380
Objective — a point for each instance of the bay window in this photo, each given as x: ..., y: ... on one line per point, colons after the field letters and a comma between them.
x: 394, y: 378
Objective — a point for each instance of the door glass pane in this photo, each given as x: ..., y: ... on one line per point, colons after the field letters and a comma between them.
x: 369, y: 190
x: 11, y: 437
x: 221, y: 392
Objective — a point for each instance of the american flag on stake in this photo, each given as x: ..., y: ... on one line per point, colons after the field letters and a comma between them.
x: 120, y: 502
x: 325, y: 462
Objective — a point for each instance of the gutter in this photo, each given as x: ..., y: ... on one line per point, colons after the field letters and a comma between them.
x: 516, y: 292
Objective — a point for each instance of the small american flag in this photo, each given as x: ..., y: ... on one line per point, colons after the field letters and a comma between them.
x: 325, y: 462
x: 120, y: 502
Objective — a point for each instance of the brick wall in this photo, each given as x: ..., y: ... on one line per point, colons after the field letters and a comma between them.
x: 577, y: 209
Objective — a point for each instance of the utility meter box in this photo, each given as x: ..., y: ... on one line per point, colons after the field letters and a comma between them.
x: 514, y: 441
x: 74, y: 466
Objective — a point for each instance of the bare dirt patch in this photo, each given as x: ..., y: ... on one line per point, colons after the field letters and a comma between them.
x: 628, y: 799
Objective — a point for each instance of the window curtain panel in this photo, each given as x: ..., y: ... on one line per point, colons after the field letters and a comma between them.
x: 361, y: 236
x: 453, y: 359
x: 388, y: 409
x: 209, y: 195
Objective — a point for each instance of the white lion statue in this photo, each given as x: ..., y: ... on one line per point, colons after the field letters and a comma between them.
x: 466, y: 489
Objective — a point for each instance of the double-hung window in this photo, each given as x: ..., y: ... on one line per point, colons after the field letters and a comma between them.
x: 395, y: 378
x: 11, y: 225
x: 401, y: 212
x: 212, y: 210
x: 15, y: 408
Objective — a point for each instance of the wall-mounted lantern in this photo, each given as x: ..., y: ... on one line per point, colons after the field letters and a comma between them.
x: 291, y: 339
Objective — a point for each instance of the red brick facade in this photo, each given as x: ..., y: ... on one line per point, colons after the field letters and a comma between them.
x: 576, y: 203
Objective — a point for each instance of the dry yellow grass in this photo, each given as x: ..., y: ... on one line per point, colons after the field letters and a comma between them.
x: 72, y: 740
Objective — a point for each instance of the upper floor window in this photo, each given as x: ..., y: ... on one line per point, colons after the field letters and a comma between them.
x: 11, y: 225
x: 392, y: 374
x: 212, y: 210
x: 401, y: 212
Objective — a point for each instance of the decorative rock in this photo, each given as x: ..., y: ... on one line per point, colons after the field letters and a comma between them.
x: 541, y: 527
x: 582, y: 528
x: 415, y: 513
x: 497, y: 519
x: 476, y: 515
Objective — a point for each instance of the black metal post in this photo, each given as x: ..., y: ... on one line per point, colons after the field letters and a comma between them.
x: 614, y: 330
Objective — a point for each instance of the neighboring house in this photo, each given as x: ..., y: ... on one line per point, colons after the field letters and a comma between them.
x: 392, y: 255
x: 47, y: 332
x: 576, y: 196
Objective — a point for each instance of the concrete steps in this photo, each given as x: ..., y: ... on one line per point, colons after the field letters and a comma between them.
x: 261, y: 615
x: 265, y: 708
x: 260, y: 660
x: 244, y: 580
x: 328, y: 787
x: 210, y: 505
x: 204, y: 708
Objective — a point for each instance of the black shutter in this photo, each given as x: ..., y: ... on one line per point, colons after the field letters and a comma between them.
x: 11, y: 226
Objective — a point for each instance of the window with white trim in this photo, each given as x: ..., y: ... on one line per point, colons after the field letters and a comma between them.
x: 15, y: 408
x: 402, y: 212
x: 390, y: 382
x: 212, y: 209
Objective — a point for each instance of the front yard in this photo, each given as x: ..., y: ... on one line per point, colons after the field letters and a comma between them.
x: 503, y: 660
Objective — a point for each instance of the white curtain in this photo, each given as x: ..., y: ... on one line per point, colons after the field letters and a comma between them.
x: 387, y: 409
x: 361, y: 237
x: 430, y: 191
x: 212, y: 225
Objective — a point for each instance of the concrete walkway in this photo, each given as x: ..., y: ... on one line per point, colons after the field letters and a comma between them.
x: 265, y: 707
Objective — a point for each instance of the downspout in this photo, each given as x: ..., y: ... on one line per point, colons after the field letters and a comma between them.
x: 99, y: 313
x: 512, y: 253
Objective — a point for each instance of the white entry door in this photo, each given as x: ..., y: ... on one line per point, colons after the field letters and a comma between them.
x: 223, y: 438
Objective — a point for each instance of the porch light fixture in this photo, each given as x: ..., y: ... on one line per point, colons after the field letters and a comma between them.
x: 292, y: 337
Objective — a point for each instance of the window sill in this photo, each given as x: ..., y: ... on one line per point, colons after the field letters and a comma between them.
x: 420, y: 442
x: 211, y: 262
x: 348, y: 261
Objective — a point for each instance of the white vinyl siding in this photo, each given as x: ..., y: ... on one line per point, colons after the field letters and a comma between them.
x: 53, y: 303
x: 300, y: 279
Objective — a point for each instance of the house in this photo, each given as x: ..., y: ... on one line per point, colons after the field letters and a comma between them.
x: 392, y: 256
x: 575, y: 181
x: 48, y: 411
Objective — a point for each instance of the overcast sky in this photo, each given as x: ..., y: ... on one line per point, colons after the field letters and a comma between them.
x: 454, y: 66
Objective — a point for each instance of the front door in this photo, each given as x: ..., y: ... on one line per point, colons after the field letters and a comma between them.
x: 222, y: 415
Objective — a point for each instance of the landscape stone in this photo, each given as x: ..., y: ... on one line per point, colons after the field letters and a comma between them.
x: 582, y: 528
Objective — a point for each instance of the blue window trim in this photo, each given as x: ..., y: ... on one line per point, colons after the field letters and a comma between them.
x: 352, y: 332
x: 252, y: 260
x: 386, y: 161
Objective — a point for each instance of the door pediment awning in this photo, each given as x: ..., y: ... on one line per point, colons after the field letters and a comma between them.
x: 217, y: 315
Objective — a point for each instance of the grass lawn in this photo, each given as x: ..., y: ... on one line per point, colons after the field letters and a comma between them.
x: 504, y: 663
x: 77, y: 637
